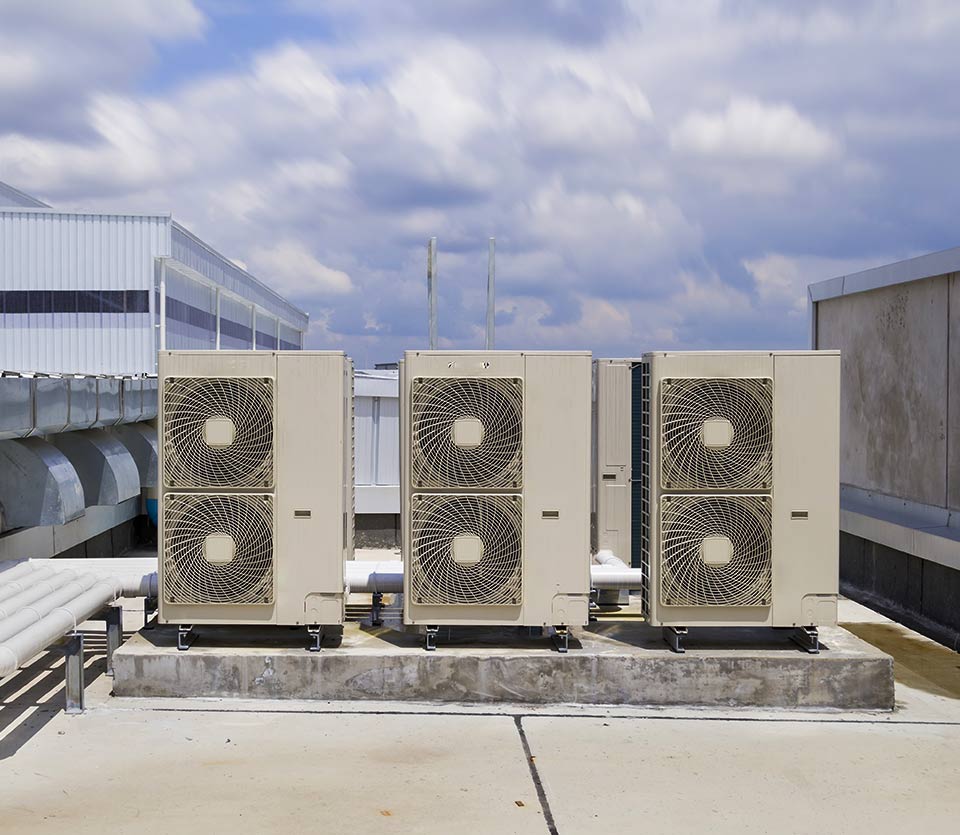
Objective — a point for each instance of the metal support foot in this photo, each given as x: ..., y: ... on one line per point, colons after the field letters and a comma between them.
x: 674, y: 636
x: 73, y: 651
x: 561, y: 638
x: 807, y: 637
x: 113, y: 615
x: 150, y: 606
x: 376, y: 618
x: 432, y: 632
x: 594, y: 605
x: 316, y: 636
x: 185, y: 636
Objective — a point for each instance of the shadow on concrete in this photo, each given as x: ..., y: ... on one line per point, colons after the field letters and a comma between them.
x: 750, y: 638
x: 257, y: 637
x: 918, y: 662
x: 468, y: 637
x: 25, y: 712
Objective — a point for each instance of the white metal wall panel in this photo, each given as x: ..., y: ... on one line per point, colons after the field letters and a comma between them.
x: 43, y: 250
x: 235, y: 318
x: 377, y: 441
x: 194, y: 253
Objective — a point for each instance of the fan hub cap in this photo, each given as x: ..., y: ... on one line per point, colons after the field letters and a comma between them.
x: 467, y: 549
x: 219, y: 432
x: 467, y: 432
x: 219, y: 548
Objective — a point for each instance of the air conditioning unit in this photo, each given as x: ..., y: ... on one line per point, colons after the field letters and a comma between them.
x: 256, y: 489
x: 718, y: 474
x: 495, y: 472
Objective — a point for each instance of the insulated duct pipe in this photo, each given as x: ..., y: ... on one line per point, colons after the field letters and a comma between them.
x: 60, y: 620
x: 387, y: 577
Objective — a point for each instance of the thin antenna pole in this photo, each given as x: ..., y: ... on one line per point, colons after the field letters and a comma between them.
x: 432, y: 291
x: 491, y: 290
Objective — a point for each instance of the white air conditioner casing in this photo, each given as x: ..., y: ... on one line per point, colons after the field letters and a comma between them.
x: 495, y: 474
x: 256, y: 489
x: 729, y: 466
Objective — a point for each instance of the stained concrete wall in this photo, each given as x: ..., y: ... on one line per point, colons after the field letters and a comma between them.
x: 900, y: 415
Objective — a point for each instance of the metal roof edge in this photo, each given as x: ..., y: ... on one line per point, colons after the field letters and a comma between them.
x: 899, y: 272
x: 181, y: 228
x: 31, y: 210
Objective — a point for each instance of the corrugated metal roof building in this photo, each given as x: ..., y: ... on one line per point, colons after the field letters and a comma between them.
x: 100, y: 293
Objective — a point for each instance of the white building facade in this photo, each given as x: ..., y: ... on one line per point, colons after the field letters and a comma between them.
x: 99, y: 293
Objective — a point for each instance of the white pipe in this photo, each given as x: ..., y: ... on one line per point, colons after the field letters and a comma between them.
x: 387, y: 577
x: 15, y: 569
x: 29, y: 615
x: 374, y: 577
x: 8, y: 590
x: 61, y: 620
x: 35, y: 592
x: 137, y: 575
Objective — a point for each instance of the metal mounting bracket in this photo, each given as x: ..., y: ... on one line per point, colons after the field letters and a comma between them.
x: 432, y: 632
x: 185, y: 636
x: 674, y: 636
x: 72, y: 646
x: 376, y: 616
x: 807, y: 637
x: 316, y: 636
x: 561, y: 638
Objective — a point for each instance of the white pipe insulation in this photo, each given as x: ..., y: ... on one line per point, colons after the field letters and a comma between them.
x: 59, y: 621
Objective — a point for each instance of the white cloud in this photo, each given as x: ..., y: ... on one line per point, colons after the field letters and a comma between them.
x: 748, y: 128
x: 292, y: 270
x: 649, y: 177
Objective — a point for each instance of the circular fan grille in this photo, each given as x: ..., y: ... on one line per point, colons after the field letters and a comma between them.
x: 244, y: 458
x: 742, y: 524
x: 245, y: 521
x: 437, y: 577
x: 494, y: 458
x: 741, y: 459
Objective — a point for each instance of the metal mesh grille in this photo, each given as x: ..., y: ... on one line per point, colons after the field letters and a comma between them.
x: 641, y: 486
x: 437, y: 578
x: 190, y: 404
x: 438, y: 462
x: 744, y: 406
x: 245, y: 520
x: 686, y: 579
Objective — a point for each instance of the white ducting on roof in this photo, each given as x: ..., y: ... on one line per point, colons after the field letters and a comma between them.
x: 38, y: 485
x: 106, y: 468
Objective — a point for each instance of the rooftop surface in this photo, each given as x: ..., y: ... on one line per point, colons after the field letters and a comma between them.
x: 300, y: 766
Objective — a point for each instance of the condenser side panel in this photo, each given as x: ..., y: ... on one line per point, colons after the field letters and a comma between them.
x: 556, y: 513
x: 806, y: 493
x: 310, y: 509
x: 613, y: 458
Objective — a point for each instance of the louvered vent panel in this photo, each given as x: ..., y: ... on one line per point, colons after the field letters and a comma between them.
x: 218, y: 549
x: 466, y: 549
x: 715, y: 551
x: 716, y: 434
x: 218, y: 433
x: 467, y: 433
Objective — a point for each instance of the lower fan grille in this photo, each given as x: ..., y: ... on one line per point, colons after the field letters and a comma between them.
x: 715, y: 551
x: 217, y: 549
x: 466, y: 550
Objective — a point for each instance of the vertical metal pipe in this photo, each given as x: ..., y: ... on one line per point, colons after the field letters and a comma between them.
x: 163, y: 304
x: 253, y: 327
x: 218, y: 320
x: 491, y: 291
x: 432, y: 291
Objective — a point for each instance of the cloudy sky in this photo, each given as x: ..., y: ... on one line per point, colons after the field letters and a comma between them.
x: 657, y: 174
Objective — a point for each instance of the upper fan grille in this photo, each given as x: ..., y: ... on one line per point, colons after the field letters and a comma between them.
x: 218, y: 432
x: 737, y: 528
x: 467, y: 432
x: 244, y: 522
x: 716, y: 433
x: 491, y: 525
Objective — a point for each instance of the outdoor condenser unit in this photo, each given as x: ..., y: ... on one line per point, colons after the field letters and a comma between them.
x: 495, y: 468
x: 718, y: 474
x: 256, y: 504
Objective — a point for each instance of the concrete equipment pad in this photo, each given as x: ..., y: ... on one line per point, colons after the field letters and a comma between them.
x: 608, y: 663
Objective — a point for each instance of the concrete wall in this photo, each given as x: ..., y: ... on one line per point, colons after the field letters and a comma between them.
x: 900, y: 416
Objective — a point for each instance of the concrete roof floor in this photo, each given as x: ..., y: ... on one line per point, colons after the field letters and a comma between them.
x: 210, y: 766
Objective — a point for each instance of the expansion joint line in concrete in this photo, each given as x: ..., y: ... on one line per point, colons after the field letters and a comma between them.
x: 535, y: 775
